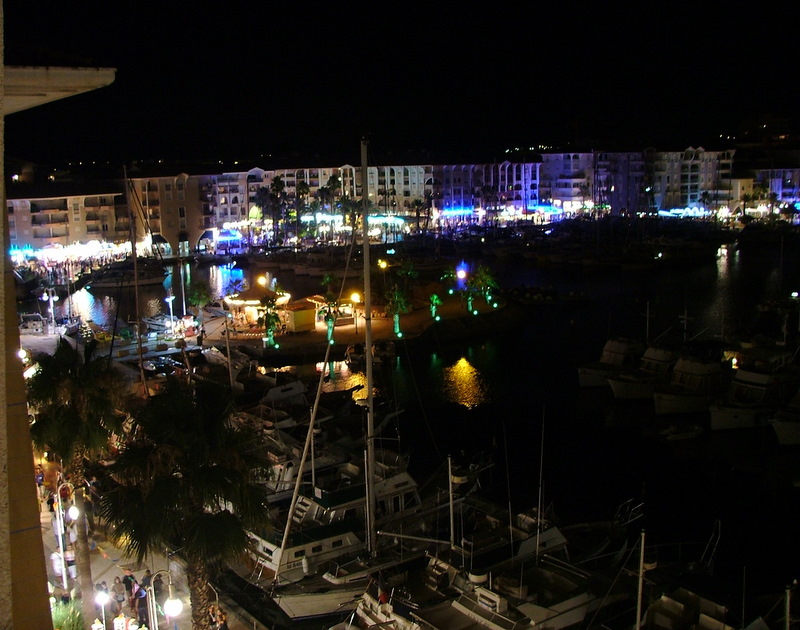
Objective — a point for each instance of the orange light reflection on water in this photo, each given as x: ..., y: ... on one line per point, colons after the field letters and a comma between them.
x: 464, y: 385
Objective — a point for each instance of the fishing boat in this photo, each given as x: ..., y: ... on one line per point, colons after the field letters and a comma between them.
x: 618, y: 354
x: 121, y: 274
x: 161, y: 322
x: 699, y: 375
x: 639, y: 384
x: 765, y: 379
x: 786, y: 423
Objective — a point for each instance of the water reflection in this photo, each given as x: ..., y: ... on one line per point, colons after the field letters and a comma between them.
x: 464, y: 385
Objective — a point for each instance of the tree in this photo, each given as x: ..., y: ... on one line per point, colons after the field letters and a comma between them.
x: 77, y: 401
x: 483, y: 281
x: 397, y: 304
x: 301, y: 202
x: 407, y: 271
x: 188, y: 482
x: 277, y: 191
x: 263, y: 200
x: 417, y: 205
x: 198, y: 294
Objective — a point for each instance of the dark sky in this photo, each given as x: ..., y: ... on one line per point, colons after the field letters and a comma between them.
x: 433, y: 82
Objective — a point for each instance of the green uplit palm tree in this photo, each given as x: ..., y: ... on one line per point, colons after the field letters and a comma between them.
x: 198, y: 294
x: 483, y: 282
x: 435, y: 303
x: 190, y: 482
x: 77, y: 401
x: 397, y: 304
x: 408, y: 272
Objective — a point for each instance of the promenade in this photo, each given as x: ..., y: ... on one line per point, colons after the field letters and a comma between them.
x: 109, y: 561
x: 311, y: 346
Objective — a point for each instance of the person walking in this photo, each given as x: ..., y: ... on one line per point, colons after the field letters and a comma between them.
x: 118, y: 594
x: 39, y: 477
x: 222, y: 620
x: 128, y: 580
x: 69, y: 556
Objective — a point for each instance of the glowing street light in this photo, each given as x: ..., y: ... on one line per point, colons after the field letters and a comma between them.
x: 62, y: 530
x: 356, y: 300
x: 101, y: 599
x: 172, y: 606
x: 51, y: 298
x: 169, y: 299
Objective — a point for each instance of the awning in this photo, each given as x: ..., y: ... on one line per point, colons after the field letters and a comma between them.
x: 208, y: 235
x: 157, y: 238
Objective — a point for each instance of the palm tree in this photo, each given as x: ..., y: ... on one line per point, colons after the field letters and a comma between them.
x: 189, y: 482
x: 263, y: 200
x: 277, y: 191
x: 198, y: 294
x: 301, y: 202
x: 483, y: 281
x: 78, y: 401
x: 408, y: 272
x: 417, y: 205
x: 396, y: 305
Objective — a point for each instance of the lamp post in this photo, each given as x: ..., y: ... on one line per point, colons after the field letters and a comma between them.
x: 169, y: 299
x: 101, y: 599
x: 51, y: 298
x: 172, y: 606
x: 356, y: 300
x: 62, y: 530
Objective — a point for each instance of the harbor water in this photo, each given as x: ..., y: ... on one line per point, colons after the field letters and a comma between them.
x: 514, y: 395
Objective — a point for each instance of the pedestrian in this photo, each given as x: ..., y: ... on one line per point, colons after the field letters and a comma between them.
x: 51, y: 502
x: 69, y: 556
x: 146, y: 579
x: 212, y: 616
x: 140, y: 601
x: 39, y: 477
x: 222, y: 620
x: 118, y: 594
x: 128, y: 580
x: 158, y: 590
x: 201, y: 333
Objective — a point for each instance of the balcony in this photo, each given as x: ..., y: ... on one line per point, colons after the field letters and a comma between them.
x: 49, y: 219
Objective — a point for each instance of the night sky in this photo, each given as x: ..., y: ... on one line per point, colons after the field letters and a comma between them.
x: 299, y: 85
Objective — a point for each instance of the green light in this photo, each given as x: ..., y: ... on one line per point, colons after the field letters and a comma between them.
x: 437, y: 318
x: 475, y: 312
x: 450, y: 291
x: 399, y: 334
x: 494, y: 305
x: 277, y: 345
x: 331, y: 342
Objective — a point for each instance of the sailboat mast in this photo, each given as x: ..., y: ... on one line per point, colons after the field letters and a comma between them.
x: 370, y: 438
x: 137, y: 324
x: 640, y: 588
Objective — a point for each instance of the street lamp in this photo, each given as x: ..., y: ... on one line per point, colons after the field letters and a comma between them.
x: 169, y: 299
x: 356, y: 300
x: 172, y: 606
x: 62, y: 530
x: 50, y: 296
x: 101, y: 599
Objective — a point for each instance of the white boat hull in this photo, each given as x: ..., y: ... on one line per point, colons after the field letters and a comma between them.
x: 727, y: 417
x: 787, y: 431
x: 680, y: 402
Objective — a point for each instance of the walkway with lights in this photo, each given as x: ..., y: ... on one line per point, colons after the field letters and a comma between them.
x: 109, y: 561
x: 313, y: 343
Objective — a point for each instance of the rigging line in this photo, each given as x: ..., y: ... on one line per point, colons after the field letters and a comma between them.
x: 422, y: 411
x: 145, y: 220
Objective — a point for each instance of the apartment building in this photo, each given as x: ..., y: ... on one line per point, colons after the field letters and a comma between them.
x: 182, y: 213
x: 693, y: 178
x: 60, y: 220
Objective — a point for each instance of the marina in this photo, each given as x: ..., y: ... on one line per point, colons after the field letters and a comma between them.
x: 502, y: 388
